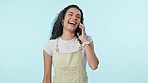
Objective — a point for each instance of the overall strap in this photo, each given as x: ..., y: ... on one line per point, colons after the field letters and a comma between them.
x: 79, y: 46
x: 56, y: 48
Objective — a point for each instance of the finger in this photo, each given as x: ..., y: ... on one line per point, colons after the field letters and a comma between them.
x: 78, y: 34
x: 81, y: 26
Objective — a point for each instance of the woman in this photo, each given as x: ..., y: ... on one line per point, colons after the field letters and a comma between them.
x: 69, y: 49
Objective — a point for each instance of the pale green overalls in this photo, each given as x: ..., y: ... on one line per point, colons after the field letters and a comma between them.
x: 68, y: 67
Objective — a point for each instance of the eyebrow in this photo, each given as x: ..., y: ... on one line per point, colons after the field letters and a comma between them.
x: 73, y: 13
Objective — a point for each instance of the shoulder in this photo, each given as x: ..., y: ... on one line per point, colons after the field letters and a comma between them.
x: 49, y: 45
x: 50, y: 42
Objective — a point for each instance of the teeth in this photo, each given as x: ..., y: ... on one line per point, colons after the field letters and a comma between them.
x: 72, y: 22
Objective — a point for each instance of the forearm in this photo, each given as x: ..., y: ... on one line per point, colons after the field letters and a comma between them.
x: 91, y: 57
x: 47, y: 68
x: 47, y: 79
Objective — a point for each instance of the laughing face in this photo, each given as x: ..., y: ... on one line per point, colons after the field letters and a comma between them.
x: 72, y: 19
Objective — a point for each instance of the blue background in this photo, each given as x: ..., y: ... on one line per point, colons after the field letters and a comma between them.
x: 119, y: 29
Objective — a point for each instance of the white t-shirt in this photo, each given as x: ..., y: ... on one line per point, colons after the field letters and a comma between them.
x: 65, y: 46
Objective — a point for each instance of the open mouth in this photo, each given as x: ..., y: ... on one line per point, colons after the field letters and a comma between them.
x: 72, y: 23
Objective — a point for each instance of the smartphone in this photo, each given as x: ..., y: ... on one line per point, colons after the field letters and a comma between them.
x: 79, y: 31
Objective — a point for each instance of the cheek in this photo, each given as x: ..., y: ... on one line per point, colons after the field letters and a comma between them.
x: 79, y: 20
x: 63, y: 22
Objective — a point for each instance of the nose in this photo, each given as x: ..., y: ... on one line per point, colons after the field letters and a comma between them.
x: 74, y: 17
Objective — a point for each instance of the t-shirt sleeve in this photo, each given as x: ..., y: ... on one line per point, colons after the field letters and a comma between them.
x: 48, y: 47
x: 88, y: 38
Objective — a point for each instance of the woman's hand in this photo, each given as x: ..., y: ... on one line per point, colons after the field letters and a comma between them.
x: 82, y: 37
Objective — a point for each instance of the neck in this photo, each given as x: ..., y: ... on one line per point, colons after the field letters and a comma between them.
x: 67, y: 35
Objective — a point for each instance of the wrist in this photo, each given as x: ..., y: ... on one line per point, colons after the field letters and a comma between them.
x: 84, y: 40
x: 85, y: 43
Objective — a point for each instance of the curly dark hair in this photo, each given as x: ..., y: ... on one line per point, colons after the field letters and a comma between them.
x: 57, y: 28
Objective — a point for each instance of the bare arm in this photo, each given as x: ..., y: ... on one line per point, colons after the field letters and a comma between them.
x: 91, y: 56
x: 47, y: 68
x: 90, y: 53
